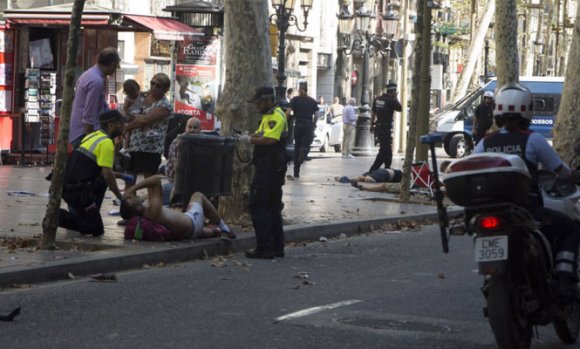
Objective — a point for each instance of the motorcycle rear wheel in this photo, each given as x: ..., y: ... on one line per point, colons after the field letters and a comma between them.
x: 568, y: 328
x: 509, y: 326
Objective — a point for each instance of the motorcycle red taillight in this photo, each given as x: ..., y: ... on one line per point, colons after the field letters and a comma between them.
x: 489, y: 222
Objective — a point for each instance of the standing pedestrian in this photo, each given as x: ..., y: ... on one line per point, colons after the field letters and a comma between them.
x: 303, y: 107
x: 89, y: 100
x: 269, y: 162
x: 483, y: 118
x: 290, y: 117
x: 148, y: 128
x: 336, y: 110
x: 384, y: 107
x: 348, y: 125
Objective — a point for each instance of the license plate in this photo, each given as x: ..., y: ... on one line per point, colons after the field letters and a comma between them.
x: 493, y: 248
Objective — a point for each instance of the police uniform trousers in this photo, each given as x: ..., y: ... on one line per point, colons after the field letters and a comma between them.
x: 564, y: 235
x: 385, y: 154
x: 303, y: 137
x: 85, y: 202
x: 266, y: 203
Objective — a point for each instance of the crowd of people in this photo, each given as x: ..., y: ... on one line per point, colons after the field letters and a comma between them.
x: 136, y: 134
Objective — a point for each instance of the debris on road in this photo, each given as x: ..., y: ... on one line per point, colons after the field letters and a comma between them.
x: 11, y: 316
x: 103, y: 277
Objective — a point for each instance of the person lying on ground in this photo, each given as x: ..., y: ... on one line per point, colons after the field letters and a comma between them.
x: 382, y: 180
x: 189, y: 224
x: 378, y: 187
x: 380, y: 175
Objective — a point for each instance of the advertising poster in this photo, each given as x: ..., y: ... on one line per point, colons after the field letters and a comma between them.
x: 195, y: 92
x: 196, y: 85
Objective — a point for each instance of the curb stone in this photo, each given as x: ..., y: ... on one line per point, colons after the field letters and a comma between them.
x: 119, y: 260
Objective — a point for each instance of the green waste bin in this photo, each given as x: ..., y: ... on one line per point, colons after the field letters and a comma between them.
x: 204, y: 164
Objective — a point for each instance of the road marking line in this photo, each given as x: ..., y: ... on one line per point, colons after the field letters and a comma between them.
x: 310, y: 311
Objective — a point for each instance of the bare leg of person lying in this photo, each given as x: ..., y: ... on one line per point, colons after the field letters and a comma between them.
x: 211, y: 213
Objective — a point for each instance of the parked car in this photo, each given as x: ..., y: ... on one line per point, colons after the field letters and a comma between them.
x: 455, y: 121
x: 328, y: 132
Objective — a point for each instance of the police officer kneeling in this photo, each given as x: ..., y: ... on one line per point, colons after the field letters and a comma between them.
x: 88, y: 174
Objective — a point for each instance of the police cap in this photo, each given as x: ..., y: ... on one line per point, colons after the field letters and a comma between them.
x: 391, y: 86
x: 110, y: 116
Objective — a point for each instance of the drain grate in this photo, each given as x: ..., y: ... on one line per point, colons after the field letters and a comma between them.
x: 396, y: 325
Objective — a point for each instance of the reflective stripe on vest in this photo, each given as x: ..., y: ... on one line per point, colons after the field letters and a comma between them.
x: 89, y: 152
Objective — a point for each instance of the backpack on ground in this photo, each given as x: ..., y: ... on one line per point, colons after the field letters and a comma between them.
x: 140, y: 228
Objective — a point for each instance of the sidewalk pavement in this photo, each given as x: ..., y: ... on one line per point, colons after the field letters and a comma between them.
x: 315, y: 206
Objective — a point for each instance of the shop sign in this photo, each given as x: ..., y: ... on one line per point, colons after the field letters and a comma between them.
x: 200, y: 50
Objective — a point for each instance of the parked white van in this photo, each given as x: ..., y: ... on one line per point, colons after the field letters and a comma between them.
x: 455, y: 121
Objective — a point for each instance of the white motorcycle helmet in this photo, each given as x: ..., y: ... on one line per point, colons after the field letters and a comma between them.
x: 513, y: 100
x: 488, y: 94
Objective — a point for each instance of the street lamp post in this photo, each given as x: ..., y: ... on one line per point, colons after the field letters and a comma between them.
x: 283, y: 18
x: 369, y: 44
x: 539, y: 48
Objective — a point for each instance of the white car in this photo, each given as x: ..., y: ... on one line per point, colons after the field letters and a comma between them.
x: 328, y: 132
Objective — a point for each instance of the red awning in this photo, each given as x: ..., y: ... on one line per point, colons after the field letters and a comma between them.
x: 163, y: 28
x: 46, y: 21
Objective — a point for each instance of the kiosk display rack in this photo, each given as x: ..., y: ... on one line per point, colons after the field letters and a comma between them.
x: 40, y: 98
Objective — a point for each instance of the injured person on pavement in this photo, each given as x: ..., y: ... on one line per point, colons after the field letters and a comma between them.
x: 189, y: 224
x: 379, y: 180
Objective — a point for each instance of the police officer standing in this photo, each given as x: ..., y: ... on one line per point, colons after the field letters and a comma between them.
x: 303, y: 107
x: 483, y: 118
x: 88, y: 174
x: 269, y: 169
x: 383, y: 109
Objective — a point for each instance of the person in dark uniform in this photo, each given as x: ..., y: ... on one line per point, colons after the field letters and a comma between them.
x: 269, y: 169
x: 88, y: 173
x: 384, y: 107
x: 483, y: 118
x: 303, y: 107
x: 513, y: 111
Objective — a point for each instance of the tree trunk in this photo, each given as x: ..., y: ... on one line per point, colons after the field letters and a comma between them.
x: 538, y: 55
x: 340, y: 75
x: 547, y: 37
x: 50, y: 221
x: 421, y: 153
x: 412, y: 132
x: 526, y: 42
x: 249, y: 65
x: 474, y: 52
x: 567, y: 128
x: 506, y: 41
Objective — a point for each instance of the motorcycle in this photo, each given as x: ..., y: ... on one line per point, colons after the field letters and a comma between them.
x: 512, y: 253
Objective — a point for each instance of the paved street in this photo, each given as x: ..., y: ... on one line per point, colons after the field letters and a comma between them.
x: 388, y: 289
